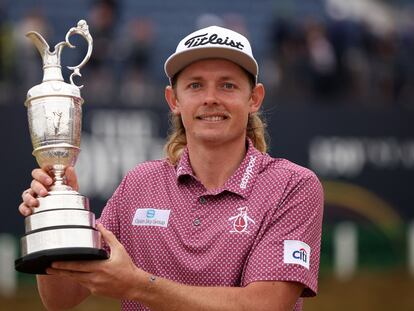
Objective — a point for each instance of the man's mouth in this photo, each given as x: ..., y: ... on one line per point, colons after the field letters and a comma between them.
x: 212, y: 118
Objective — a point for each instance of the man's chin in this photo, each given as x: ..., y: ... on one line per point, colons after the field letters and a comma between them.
x: 215, y: 139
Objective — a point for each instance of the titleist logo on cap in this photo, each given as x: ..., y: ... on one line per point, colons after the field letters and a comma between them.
x: 212, y: 39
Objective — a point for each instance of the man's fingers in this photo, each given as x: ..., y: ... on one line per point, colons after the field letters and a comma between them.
x: 37, y: 189
x: 108, y: 237
x: 29, y: 201
x: 45, y: 180
x: 27, y: 192
x: 42, y: 177
x: 76, y: 266
x: 24, y: 209
x: 28, y: 197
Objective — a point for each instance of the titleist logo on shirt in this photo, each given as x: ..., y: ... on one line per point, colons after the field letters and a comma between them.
x: 212, y: 39
x: 248, y: 172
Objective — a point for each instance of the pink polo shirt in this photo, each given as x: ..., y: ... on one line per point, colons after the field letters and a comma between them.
x: 263, y: 224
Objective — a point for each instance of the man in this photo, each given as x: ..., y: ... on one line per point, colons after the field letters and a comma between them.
x: 230, y: 227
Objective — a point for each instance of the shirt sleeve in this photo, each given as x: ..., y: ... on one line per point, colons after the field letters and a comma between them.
x: 288, y: 245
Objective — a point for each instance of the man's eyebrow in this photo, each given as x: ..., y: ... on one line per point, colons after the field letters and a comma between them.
x: 227, y: 78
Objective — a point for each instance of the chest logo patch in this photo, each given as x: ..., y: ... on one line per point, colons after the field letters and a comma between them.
x: 241, y: 221
x: 151, y: 217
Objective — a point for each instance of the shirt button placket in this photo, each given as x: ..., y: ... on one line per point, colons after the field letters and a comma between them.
x: 202, y: 200
x: 197, y: 222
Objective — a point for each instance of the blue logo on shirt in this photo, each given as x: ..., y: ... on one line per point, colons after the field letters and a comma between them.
x: 301, y: 255
x: 150, y: 213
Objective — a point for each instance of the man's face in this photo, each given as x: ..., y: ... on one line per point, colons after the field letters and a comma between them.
x: 214, y: 98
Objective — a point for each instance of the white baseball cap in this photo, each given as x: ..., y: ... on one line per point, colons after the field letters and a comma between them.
x: 212, y: 42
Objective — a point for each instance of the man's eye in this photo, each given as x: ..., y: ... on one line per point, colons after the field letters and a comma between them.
x: 228, y: 85
x: 195, y: 85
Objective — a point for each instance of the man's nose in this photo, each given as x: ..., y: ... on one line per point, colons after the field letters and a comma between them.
x: 211, y: 96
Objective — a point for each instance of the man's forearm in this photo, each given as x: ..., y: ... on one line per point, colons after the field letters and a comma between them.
x: 60, y: 293
x: 162, y: 294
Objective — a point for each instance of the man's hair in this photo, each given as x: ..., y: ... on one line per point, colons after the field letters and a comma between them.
x: 177, y: 141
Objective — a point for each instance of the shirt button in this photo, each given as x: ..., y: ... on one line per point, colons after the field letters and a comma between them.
x: 202, y: 200
x: 197, y: 222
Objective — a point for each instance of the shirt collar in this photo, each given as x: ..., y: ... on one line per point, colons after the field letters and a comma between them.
x: 243, y: 179
x: 184, y: 166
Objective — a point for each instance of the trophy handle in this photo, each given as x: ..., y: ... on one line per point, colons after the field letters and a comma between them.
x: 81, y: 29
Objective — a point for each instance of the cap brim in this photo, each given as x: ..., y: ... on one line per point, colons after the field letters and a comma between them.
x: 179, y: 61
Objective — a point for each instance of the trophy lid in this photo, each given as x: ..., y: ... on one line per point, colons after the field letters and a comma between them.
x: 53, y: 83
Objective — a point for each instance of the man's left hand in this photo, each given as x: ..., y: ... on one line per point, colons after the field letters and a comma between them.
x: 116, y: 277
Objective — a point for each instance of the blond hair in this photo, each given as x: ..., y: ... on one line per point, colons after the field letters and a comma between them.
x: 177, y: 140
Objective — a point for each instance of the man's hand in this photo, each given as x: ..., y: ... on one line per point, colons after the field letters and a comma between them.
x: 119, y: 278
x: 40, y: 187
x: 116, y: 277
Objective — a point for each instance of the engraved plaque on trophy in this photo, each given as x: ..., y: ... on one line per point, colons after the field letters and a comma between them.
x: 62, y: 227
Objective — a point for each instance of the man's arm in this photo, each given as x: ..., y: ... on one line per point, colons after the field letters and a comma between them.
x: 259, y: 296
x: 119, y: 278
x: 60, y: 293
x: 56, y: 292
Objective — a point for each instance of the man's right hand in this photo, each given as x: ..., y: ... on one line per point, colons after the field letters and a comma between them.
x: 39, y: 188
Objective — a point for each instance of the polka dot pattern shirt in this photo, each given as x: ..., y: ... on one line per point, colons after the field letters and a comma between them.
x: 263, y: 224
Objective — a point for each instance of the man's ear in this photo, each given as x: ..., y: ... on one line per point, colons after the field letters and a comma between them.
x: 171, y: 99
x: 258, y: 94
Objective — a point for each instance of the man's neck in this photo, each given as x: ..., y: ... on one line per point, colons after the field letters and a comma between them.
x: 214, y: 165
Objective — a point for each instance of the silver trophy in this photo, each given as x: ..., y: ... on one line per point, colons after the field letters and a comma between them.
x: 62, y: 227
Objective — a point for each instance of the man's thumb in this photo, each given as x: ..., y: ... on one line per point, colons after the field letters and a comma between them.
x: 108, y: 236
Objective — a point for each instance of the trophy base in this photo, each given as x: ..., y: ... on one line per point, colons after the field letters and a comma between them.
x: 38, y: 262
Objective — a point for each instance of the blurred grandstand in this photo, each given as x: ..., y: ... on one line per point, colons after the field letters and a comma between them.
x: 312, y: 52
